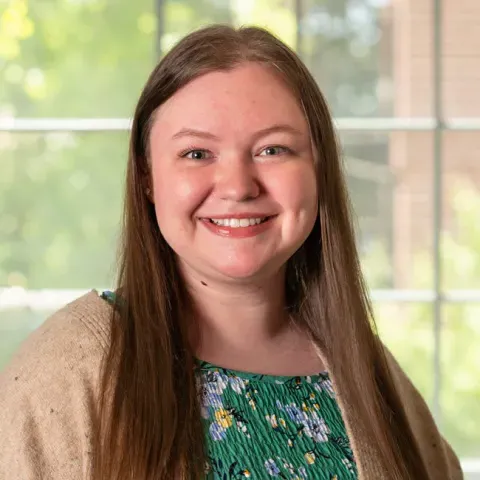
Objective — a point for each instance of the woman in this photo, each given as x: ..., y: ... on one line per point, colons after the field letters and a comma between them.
x: 239, y: 342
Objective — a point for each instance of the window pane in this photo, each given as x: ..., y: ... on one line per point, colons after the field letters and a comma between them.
x: 75, y: 58
x: 412, y: 57
x: 407, y: 331
x: 461, y: 225
x: 92, y: 58
x: 180, y: 17
x: 348, y: 46
x: 61, y: 197
x: 60, y: 208
x: 183, y: 16
x: 461, y: 59
x: 460, y: 379
x: 390, y: 181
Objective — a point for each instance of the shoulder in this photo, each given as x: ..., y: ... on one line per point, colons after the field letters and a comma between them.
x: 438, y: 454
x: 74, y: 336
x: 49, y: 390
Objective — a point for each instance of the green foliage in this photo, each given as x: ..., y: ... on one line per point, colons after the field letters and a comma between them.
x: 60, y: 193
x: 60, y: 209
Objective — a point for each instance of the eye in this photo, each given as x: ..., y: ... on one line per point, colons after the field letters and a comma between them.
x: 274, y: 150
x: 197, y: 154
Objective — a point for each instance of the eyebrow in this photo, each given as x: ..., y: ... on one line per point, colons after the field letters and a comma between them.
x: 283, y: 127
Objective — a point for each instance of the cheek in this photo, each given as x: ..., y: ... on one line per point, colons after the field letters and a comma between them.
x: 177, y: 194
x: 296, y: 189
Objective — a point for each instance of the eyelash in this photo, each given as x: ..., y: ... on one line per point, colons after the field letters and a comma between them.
x: 191, y: 150
x: 281, y: 147
x: 285, y: 150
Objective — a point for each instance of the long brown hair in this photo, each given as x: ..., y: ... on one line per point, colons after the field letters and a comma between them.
x: 149, y: 427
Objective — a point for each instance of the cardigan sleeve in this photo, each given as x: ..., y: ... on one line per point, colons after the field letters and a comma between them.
x: 47, y: 402
x: 439, y: 456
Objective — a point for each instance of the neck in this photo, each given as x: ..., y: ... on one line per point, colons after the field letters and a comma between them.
x: 246, y: 327
x: 238, y: 317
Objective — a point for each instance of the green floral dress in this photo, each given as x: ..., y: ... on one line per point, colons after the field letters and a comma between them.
x: 264, y: 426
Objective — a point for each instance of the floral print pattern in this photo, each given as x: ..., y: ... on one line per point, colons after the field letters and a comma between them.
x: 261, y: 427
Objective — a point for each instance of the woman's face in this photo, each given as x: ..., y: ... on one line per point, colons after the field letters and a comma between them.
x: 233, y: 174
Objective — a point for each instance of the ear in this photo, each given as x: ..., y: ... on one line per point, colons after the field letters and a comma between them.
x: 146, y: 180
x: 148, y: 188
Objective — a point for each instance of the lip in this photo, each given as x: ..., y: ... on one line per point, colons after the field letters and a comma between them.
x: 241, y: 232
x: 239, y: 215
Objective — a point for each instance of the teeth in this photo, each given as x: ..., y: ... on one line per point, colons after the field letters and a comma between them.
x: 236, y: 222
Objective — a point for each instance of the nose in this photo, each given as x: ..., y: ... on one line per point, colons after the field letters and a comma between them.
x: 237, y: 179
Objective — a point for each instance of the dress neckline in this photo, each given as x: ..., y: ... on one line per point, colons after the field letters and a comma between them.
x: 206, y: 368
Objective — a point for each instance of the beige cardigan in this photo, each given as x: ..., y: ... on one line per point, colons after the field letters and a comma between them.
x: 48, y: 403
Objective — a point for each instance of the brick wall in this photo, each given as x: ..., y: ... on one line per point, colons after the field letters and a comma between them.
x: 411, y: 153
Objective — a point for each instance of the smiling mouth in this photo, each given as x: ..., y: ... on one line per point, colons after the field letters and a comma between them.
x: 239, y: 222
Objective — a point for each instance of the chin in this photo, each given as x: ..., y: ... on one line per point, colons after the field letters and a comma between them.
x: 240, y: 270
x: 249, y: 269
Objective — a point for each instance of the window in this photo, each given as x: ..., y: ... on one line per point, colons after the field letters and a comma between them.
x: 401, y: 78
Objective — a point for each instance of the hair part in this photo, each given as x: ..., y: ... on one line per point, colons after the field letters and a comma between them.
x: 149, y: 416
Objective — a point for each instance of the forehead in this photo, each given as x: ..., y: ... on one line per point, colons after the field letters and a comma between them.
x: 250, y: 96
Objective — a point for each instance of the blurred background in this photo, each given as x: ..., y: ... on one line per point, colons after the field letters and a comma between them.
x: 402, y: 78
